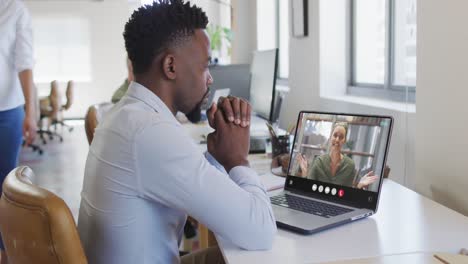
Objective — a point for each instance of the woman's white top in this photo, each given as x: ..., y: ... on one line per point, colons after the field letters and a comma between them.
x: 16, y: 51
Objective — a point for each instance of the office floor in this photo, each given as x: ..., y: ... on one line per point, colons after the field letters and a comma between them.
x: 60, y: 168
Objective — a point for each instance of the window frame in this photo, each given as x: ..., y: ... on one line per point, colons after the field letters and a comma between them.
x: 277, y: 30
x: 387, y: 90
x: 280, y: 80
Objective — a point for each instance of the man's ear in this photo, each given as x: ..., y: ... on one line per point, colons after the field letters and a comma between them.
x: 169, y: 67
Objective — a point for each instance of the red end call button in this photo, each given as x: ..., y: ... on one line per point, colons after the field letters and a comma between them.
x: 341, y: 193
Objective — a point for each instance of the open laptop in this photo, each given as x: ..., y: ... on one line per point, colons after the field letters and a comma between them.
x: 320, y: 193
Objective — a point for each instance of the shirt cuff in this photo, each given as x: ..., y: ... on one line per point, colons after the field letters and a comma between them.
x: 243, y: 175
x: 215, y: 163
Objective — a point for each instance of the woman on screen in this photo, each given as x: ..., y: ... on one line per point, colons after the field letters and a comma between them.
x: 334, y: 167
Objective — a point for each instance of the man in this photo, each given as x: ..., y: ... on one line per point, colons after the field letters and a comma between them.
x: 144, y: 174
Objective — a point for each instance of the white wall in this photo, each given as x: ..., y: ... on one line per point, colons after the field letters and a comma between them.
x: 333, y: 48
x: 107, y: 19
x: 318, y: 81
x: 244, y: 27
x: 441, y: 124
x: 304, y: 81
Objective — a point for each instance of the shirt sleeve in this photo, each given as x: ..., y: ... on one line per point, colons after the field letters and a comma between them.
x: 214, y: 162
x: 24, y: 42
x: 174, y: 172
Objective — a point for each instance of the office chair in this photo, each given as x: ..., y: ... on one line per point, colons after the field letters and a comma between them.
x: 36, y: 225
x: 34, y: 147
x: 386, y: 172
x: 49, y: 110
x: 69, y: 96
x: 92, y: 118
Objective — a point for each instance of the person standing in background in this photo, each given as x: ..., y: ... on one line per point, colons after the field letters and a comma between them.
x: 17, y: 93
x: 122, y: 90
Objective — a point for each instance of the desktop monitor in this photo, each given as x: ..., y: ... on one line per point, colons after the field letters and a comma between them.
x: 236, y: 77
x: 262, y: 83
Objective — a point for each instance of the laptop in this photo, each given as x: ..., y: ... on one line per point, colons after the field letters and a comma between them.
x: 335, y: 172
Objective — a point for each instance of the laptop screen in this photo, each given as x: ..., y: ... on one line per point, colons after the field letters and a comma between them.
x: 340, y: 156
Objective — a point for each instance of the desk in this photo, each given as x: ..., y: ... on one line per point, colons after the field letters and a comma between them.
x: 406, y: 222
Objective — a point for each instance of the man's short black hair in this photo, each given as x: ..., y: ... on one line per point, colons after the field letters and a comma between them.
x: 153, y: 28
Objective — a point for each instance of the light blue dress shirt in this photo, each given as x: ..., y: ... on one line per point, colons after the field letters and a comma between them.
x: 144, y: 174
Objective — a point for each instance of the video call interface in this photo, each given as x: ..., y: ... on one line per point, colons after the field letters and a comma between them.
x: 342, y: 150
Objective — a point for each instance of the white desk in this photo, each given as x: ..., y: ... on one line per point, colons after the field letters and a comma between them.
x: 406, y: 222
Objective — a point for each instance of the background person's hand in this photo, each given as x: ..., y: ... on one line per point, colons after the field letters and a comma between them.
x: 235, y: 110
x: 303, y: 164
x: 367, y: 180
x: 29, y: 129
x: 229, y: 143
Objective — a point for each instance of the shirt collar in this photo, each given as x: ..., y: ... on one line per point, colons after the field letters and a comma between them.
x: 143, y: 94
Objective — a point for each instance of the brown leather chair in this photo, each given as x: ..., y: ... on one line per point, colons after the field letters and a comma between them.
x: 92, y: 118
x: 36, y: 225
x: 386, y: 172
x: 69, y: 95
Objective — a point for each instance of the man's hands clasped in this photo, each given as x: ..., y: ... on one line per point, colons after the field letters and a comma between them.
x: 229, y: 143
x: 235, y: 110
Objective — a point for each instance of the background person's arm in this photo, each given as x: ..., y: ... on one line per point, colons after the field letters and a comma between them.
x: 367, y: 180
x: 24, y: 63
x: 30, y: 122
x: 120, y: 92
x: 303, y: 165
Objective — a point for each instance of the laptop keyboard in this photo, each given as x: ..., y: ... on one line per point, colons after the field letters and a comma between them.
x: 308, y: 206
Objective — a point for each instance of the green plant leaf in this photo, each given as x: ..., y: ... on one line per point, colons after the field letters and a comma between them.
x: 217, y: 34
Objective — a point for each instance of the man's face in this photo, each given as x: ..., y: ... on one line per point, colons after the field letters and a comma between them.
x: 193, y: 77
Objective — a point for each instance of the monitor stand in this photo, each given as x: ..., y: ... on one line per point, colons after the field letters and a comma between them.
x: 258, y: 134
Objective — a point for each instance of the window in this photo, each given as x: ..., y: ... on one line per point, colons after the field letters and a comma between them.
x: 219, y: 26
x: 62, y: 49
x: 383, y: 49
x: 273, y: 31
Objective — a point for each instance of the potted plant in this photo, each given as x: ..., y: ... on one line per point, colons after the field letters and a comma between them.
x: 217, y: 34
